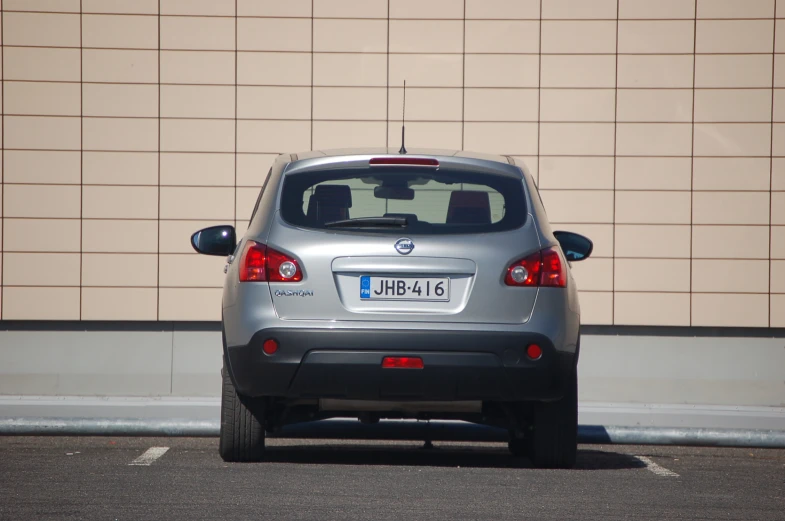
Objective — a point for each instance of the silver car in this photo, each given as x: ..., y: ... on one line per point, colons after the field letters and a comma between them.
x: 377, y: 284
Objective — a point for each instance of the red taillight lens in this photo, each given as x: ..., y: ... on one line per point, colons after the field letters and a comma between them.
x: 282, y: 268
x: 402, y: 362
x: 534, y: 351
x: 258, y: 263
x: 544, y: 268
x: 525, y: 272
x: 253, y: 262
x: 554, y: 270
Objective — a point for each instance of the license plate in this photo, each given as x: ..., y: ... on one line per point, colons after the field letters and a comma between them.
x: 393, y: 288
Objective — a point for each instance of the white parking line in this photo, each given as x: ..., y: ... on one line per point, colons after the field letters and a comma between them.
x: 149, y: 456
x: 660, y: 471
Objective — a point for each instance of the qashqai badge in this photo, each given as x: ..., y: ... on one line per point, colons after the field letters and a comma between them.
x: 404, y: 246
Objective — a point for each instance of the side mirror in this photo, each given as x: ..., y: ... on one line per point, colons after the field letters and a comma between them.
x: 215, y: 240
x: 575, y: 247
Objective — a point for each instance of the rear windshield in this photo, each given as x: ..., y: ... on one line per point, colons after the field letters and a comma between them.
x: 395, y: 200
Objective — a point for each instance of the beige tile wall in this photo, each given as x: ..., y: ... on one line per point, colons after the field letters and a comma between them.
x: 656, y: 128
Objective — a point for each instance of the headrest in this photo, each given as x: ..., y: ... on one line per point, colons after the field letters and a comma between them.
x: 469, y: 207
x: 330, y: 203
x: 334, y: 195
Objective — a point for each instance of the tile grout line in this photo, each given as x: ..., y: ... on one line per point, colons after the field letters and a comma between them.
x: 81, y: 163
x: 615, y: 143
x: 312, y: 55
x: 496, y: 87
x: 771, y: 158
x: 463, y: 81
x: 401, y: 53
x: 539, y: 97
x: 387, y: 84
x: 305, y: 120
x: 236, y: 92
x: 499, y: 122
x: 539, y: 93
x: 367, y: 18
x: 692, y: 147
x: 387, y: 57
x: 158, y: 238
x: 2, y: 164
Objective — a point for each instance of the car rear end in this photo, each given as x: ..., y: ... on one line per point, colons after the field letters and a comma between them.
x: 386, y: 285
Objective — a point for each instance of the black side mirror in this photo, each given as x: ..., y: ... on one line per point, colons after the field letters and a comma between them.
x: 575, y: 247
x: 215, y: 240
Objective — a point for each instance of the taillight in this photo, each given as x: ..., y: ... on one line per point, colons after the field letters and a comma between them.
x: 253, y: 262
x: 525, y: 272
x: 544, y: 268
x: 258, y: 263
x: 554, y: 270
x: 282, y: 268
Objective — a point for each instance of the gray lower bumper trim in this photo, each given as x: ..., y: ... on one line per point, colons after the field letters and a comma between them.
x: 403, y: 429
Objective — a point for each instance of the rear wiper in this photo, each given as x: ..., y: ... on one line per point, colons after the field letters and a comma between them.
x: 369, y: 222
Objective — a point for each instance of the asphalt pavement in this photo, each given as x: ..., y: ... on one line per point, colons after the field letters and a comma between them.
x: 64, y: 478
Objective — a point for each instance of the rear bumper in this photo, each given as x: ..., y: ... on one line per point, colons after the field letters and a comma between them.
x: 347, y: 364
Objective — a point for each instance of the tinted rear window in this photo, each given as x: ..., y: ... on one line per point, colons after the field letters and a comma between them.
x: 430, y: 201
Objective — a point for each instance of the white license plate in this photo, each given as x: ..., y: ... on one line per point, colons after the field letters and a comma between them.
x: 394, y: 288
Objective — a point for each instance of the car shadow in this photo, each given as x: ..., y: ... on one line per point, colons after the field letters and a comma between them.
x: 457, y: 444
x: 439, y: 456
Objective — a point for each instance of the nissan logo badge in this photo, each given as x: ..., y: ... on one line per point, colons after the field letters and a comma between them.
x: 404, y: 246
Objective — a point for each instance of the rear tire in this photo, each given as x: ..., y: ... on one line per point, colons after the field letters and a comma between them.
x: 242, y: 424
x: 554, y: 437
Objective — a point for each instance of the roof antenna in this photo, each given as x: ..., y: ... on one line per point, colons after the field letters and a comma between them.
x: 403, y: 122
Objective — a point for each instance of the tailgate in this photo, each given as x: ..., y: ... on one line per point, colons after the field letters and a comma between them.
x: 336, y: 266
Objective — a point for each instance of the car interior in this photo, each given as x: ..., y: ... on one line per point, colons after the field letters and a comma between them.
x: 330, y: 203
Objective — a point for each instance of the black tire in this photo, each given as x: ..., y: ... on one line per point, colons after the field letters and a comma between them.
x: 553, y: 441
x: 242, y: 424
